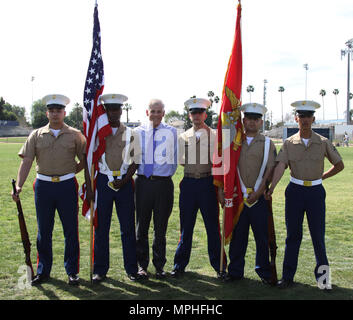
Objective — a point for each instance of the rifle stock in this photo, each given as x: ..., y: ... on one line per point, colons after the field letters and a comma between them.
x: 24, y: 233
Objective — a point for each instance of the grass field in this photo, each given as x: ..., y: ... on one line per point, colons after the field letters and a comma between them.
x: 199, y: 281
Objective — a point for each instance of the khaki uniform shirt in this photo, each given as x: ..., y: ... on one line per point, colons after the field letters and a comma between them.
x: 251, y: 158
x: 115, y: 148
x: 55, y: 155
x: 196, y: 153
x: 307, y: 162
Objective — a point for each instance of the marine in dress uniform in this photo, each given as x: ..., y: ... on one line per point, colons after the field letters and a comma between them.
x: 55, y: 148
x: 115, y: 185
x: 304, y: 154
x: 197, y: 190
x: 255, y: 166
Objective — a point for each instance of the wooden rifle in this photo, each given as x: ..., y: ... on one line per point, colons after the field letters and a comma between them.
x: 24, y: 234
x: 272, y: 243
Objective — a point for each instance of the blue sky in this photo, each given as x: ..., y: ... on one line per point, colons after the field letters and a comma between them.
x: 175, y: 49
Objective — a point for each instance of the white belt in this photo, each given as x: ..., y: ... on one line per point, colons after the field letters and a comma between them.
x: 55, y: 178
x: 306, y: 183
x: 246, y: 191
x: 117, y: 174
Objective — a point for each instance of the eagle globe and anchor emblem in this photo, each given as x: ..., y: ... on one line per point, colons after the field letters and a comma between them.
x: 230, y: 132
x: 229, y: 122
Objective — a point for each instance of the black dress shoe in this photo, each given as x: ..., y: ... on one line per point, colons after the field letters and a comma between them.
x: 98, y: 278
x: 134, y: 276
x: 160, y: 274
x: 74, y: 280
x: 324, y: 287
x: 267, y: 281
x: 230, y: 278
x: 143, y: 275
x: 176, y: 273
x: 221, y: 275
x: 39, y: 278
x: 284, y: 284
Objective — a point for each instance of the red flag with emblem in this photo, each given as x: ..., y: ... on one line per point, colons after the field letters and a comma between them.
x: 230, y: 136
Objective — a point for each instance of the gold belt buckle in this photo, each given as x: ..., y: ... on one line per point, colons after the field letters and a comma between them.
x: 116, y: 173
x: 111, y: 186
x: 197, y: 175
x: 247, y: 203
x: 307, y: 183
x: 55, y: 179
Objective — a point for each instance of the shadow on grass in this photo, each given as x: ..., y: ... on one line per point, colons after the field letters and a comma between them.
x: 191, y: 286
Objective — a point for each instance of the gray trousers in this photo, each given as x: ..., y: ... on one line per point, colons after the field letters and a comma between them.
x: 157, y: 196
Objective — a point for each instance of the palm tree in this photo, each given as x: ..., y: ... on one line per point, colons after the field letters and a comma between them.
x: 322, y: 94
x: 250, y: 89
x: 127, y: 107
x: 210, y: 113
x: 210, y: 94
x: 336, y: 92
x: 281, y: 90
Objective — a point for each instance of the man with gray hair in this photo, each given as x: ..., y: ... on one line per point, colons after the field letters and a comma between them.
x: 154, y: 188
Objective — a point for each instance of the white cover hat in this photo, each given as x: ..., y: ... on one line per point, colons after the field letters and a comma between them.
x: 305, y: 105
x: 113, y: 98
x: 197, y: 103
x: 56, y: 99
x: 253, y: 108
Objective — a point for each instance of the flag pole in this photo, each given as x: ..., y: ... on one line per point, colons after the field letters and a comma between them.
x: 91, y: 227
x: 231, y: 100
x: 222, y: 242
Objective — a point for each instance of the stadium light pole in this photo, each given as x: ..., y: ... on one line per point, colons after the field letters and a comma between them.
x: 32, y: 84
x: 348, y: 51
x: 281, y: 90
x: 32, y: 80
x: 264, y: 124
x: 250, y: 89
x: 306, y: 67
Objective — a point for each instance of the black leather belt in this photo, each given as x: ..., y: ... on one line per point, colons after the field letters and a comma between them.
x: 153, y: 177
x: 197, y: 175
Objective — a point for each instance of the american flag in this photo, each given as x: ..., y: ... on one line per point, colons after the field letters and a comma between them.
x: 95, y: 121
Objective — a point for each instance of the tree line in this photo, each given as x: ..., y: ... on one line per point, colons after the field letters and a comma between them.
x: 38, y: 119
x: 10, y: 112
x: 74, y: 119
x: 250, y: 89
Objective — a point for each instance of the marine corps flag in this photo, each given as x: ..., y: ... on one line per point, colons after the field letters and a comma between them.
x: 230, y: 136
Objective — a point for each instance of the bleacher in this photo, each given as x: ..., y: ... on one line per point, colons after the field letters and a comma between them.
x: 13, y: 129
